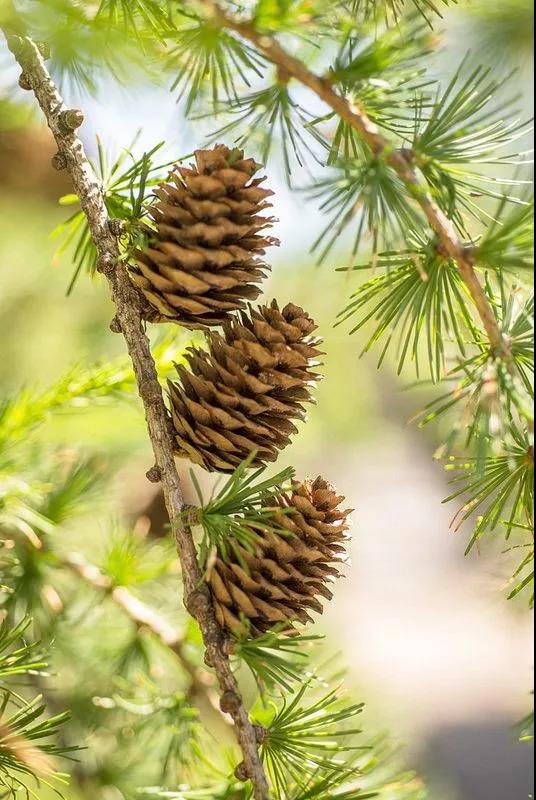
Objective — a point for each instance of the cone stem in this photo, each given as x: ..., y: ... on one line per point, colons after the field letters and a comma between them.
x: 129, y: 316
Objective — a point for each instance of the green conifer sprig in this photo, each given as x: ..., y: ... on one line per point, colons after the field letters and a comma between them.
x: 79, y: 387
x: 208, y: 63
x: 86, y: 45
x: 275, y: 659
x: 418, y: 295
x: 268, y: 119
x: 367, y: 197
x: 137, y: 15
x: 392, y: 55
x: 508, y: 243
x: 27, y: 737
x: 305, y: 736
x: 17, y: 655
x: 128, y: 183
x: 164, y: 724
x: 501, y: 490
x: 390, y: 11
x: 467, y: 131
x: 239, y: 509
x: 523, y: 577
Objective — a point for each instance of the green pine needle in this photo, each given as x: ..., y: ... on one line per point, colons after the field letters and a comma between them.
x: 129, y: 560
x: 500, y: 490
x: 270, y: 119
x: 240, y: 509
x: 391, y: 11
x: 418, y: 295
x: 367, y: 55
x: 508, y: 243
x: 367, y: 197
x: 276, y: 659
x: 17, y: 656
x: 304, y: 738
x: 210, y: 64
x: 137, y: 16
x: 163, y: 724
x: 523, y: 577
x: 463, y: 136
x: 487, y: 391
x: 128, y: 183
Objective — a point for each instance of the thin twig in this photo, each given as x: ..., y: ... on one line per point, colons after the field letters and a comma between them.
x: 63, y: 123
x: 357, y: 118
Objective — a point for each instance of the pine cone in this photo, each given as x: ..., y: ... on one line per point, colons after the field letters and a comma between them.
x: 280, y: 581
x: 203, y: 259
x: 241, y: 395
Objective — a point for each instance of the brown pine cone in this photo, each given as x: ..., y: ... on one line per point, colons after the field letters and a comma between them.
x: 202, y: 261
x: 242, y: 394
x: 280, y: 581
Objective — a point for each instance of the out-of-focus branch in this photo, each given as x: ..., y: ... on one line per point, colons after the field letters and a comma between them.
x: 63, y: 123
x: 144, y: 618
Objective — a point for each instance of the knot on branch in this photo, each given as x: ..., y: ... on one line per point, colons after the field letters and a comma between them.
x: 191, y: 515
x: 115, y: 325
x: 230, y: 702
x: 70, y: 120
x: 106, y: 264
x: 59, y: 161
x: 150, y: 391
x: 116, y: 227
x: 154, y: 475
x: 25, y: 82
x: 228, y: 647
x: 469, y: 253
x: 208, y: 660
x: 261, y: 734
x: 198, y: 603
x: 283, y: 75
x: 242, y: 773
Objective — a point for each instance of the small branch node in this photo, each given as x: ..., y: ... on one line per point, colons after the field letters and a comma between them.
x: 283, y: 75
x: 154, y: 475
x: 106, y: 264
x: 228, y: 647
x: 230, y: 703
x: 198, y: 603
x: 71, y: 119
x: 260, y: 734
x: 149, y: 391
x: 241, y: 773
x: 116, y: 227
x: 25, y: 82
x: 469, y: 253
x: 115, y: 325
x: 191, y: 515
x: 58, y: 161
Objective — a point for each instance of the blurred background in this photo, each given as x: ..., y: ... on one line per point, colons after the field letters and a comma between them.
x: 427, y: 636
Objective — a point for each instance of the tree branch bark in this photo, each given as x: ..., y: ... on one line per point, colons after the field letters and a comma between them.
x: 357, y: 118
x: 63, y: 123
